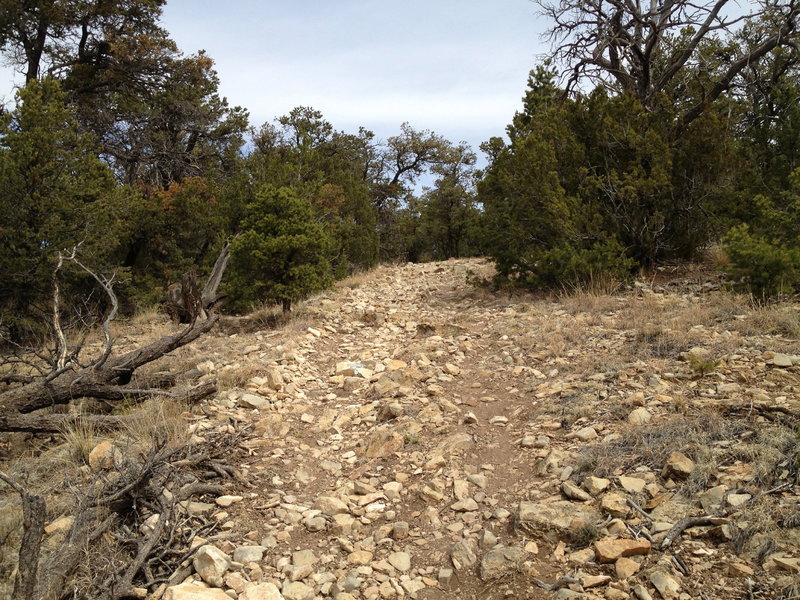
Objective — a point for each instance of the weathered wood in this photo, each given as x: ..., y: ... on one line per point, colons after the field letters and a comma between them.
x: 686, y: 523
x: 34, y: 513
x: 105, y: 383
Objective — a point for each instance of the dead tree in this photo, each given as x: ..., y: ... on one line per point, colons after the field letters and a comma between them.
x: 109, y: 376
x: 149, y: 480
x: 186, y: 303
x: 643, y: 48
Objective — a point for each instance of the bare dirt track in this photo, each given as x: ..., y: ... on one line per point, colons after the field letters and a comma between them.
x: 410, y: 435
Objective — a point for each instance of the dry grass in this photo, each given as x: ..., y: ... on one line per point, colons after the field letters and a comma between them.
x: 158, y: 421
x: 597, y: 295
x: 80, y: 437
x: 356, y: 280
x: 650, y: 445
x: 777, y: 319
x: 657, y: 342
x: 150, y: 315
x: 231, y: 377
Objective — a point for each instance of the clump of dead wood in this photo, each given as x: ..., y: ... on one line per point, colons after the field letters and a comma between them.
x: 128, y: 530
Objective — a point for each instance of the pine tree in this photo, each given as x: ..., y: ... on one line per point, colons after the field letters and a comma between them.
x: 281, y: 254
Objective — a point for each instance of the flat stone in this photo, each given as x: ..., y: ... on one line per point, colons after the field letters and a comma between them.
x: 736, y: 500
x: 787, y: 564
x: 460, y: 489
x: 430, y: 494
x: 261, y: 591
x: 412, y: 586
x: 246, y: 554
x: 304, y: 557
x: 454, y: 443
x: 297, y: 591
x: 62, y: 525
x: 590, y: 581
x: 740, y: 570
x: 400, y: 561
x: 488, y: 540
x: 610, y: 550
x: 729, y: 388
x: 359, y: 557
x: 342, y: 524
x: 253, y: 401
x: 330, y: 505
x: 400, y: 530
x: 633, y: 485
x: 640, y: 416
x: 711, y: 499
x: 188, y: 591
x: 580, y: 557
x: 781, y: 360
x: 296, y: 573
x: 625, y: 567
x: 104, y: 456
x: 226, y: 501
x: 315, y: 524
x: 615, y: 504
x: 558, y: 516
x: 585, y: 434
x: 466, y: 505
x: 679, y: 465
x: 500, y: 561
x: 596, y: 485
x: 573, y: 492
x: 667, y: 587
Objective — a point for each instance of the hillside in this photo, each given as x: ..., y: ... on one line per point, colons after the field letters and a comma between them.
x: 410, y: 435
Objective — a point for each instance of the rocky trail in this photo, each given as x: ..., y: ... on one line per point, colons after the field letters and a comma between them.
x: 410, y: 435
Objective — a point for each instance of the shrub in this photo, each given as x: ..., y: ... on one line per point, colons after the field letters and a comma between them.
x: 764, y: 254
x: 758, y: 266
x: 281, y: 255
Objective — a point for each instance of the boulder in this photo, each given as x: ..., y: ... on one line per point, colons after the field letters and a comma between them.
x: 500, y: 561
x: 211, y: 563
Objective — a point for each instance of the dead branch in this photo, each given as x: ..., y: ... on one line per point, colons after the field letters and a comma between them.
x: 686, y: 523
x: 643, y: 49
x: 107, y: 286
x: 554, y: 587
x: 186, y: 302
x: 33, y: 517
x: 209, y: 296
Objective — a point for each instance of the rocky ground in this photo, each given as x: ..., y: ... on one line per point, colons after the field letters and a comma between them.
x: 411, y: 435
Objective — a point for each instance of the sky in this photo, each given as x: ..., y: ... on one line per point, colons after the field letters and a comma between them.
x: 456, y: 67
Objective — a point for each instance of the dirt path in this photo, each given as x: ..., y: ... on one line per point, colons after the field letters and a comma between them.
x: 414, y: 436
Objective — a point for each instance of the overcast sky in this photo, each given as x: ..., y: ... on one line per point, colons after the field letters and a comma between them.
x: 457, y: 67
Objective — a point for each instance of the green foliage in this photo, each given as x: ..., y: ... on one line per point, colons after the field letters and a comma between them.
x: 56, y: 195
x: 764, y: 253
x: 758, y: 266
x: 538, y: 228
x: 702, y: 366
x: 281, y: 254
x: 448, y: 215
x: 176, y: 230
x: 328, y: 169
